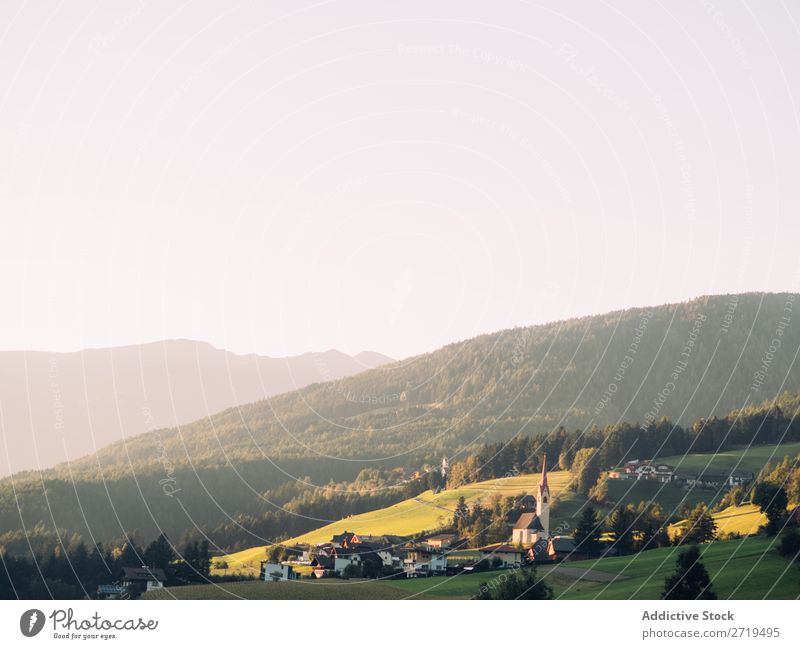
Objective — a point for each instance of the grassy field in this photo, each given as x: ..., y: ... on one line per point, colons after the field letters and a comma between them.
x: 669, y: 496
x: 301, y: 589
x: 752, y: 459
x: 740, y: 569
x: 744, y: 520
x: 426, y: 512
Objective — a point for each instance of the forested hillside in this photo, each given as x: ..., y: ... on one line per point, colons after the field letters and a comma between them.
x: 687, y: 361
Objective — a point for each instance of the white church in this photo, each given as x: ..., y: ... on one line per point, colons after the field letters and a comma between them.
x: 532, y: 527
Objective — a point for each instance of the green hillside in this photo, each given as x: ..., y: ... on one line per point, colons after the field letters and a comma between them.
x: 752, y: 459
x: 235, y: 468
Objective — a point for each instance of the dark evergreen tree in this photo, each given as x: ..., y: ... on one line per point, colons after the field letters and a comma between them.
x: 772, y: 501
x: 620, y: 528
x: 587, y: 532
x: 699, y: 526
x: 690, y: 579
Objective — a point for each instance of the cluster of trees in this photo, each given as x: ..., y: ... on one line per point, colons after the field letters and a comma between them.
x: 288, y: 509
x: 631, y: 528
x: 521, y: 583
x: 490, y: 523
x: 72, y: 571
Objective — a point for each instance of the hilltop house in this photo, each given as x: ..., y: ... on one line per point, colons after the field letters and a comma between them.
x: 643, y: 470
x: 142, y: 578
x: 531, y: 526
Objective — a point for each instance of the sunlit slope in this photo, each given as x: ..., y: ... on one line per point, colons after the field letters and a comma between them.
x: 427, y: 511
x: 744, y: 520
x: 752, y: 459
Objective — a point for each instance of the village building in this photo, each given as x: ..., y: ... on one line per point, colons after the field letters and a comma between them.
x: 530, y: 527
x: 562, y: 548
x: 537, y: 553
x: 442, y: 540
x: 111, y: 591
x: 276, y: 572
x: 343, y: 557
x: 510, y: 556
x: 423, y: 560
x: 322, y: 565
x: 143, y: 578
x: 643, y: 470
x: 343, y: 540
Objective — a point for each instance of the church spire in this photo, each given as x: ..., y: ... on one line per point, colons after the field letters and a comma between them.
x: 543, y: 500
x: 543, y: 481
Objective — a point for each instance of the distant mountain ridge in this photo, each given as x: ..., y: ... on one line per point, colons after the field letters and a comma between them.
x: 60, y: 406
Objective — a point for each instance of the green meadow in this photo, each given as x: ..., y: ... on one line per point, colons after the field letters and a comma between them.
x: 746, y: 459
x: 748, y: 568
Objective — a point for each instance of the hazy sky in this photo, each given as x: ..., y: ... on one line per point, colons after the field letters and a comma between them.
x: 386, y: 175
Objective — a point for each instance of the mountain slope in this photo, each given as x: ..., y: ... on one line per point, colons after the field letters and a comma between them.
x: 59, y: 406
x: 684, y: 361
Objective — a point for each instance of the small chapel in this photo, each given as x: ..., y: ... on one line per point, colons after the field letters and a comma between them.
x: 532, y: 527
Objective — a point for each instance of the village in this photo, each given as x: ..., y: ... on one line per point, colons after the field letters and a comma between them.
x: 352, y: 555
x: 349, y: 555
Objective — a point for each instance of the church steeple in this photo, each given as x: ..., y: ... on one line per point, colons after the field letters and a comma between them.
x: 543, y: 500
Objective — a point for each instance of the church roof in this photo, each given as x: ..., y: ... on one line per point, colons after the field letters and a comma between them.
x: 529, y: 521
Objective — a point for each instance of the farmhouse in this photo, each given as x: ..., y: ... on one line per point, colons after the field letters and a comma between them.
x: 643, y: 470
x: 143, y: 578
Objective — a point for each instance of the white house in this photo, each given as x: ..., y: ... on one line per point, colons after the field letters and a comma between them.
x: 424, y: 560
x: 276, y: 572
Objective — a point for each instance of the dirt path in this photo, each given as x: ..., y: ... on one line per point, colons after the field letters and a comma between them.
x: 429, y: 504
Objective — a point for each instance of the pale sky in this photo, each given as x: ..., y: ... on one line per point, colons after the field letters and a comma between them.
x: 386, y: 175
